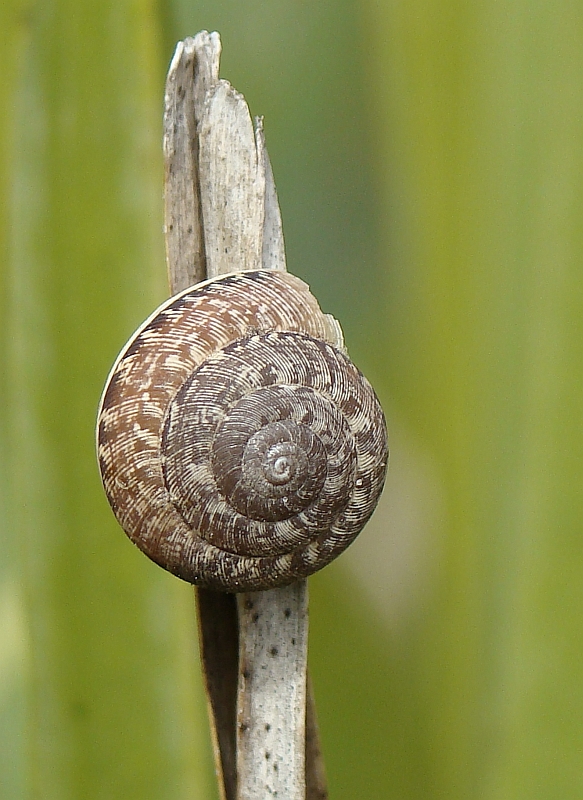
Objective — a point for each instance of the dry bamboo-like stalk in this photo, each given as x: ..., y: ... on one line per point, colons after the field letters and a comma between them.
x: 222, y: 210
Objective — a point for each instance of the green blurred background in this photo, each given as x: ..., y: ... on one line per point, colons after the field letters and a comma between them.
x: 428, y: 157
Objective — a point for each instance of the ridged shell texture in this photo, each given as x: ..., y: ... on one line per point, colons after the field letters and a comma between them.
x: 239, y: 447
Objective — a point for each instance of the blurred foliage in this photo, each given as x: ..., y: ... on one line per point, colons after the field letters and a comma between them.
x: 428, y: 161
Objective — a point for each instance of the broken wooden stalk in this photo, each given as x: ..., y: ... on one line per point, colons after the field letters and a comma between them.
x: 221, y: 209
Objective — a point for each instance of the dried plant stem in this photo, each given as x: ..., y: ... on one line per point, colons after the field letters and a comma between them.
x: 222, y: 215
x: 271, y: 700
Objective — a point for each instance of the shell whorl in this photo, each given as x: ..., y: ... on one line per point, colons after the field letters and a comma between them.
x: 239, y: 447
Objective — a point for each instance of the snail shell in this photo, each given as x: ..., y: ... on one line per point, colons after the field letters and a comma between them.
x: 239, y: 447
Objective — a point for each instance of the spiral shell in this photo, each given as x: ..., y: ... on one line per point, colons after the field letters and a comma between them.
x: 239, y: 447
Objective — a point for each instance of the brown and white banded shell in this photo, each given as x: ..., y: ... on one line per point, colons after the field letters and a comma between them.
x: 239, y: 447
